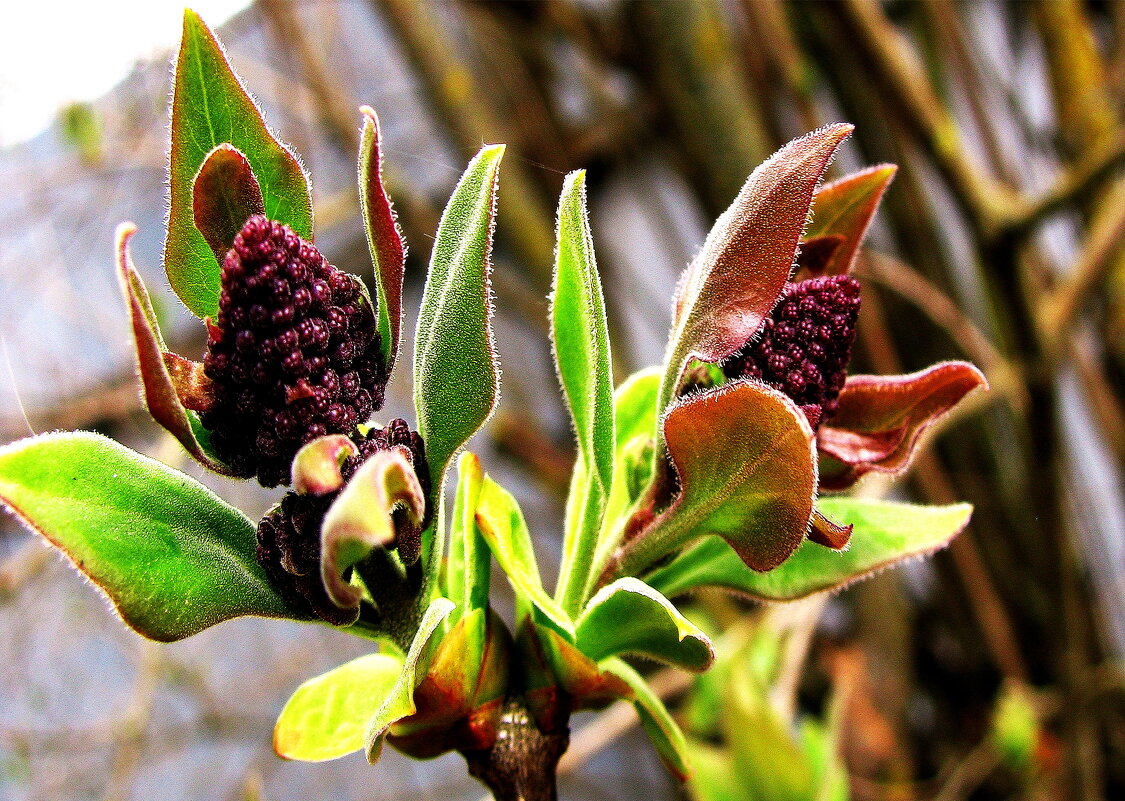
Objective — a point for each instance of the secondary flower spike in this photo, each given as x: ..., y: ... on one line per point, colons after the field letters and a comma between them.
x: 289, y: 536
x: 293, y: 353
x: 804, y: 346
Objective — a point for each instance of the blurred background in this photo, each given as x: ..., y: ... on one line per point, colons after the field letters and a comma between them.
x: 992, y: 671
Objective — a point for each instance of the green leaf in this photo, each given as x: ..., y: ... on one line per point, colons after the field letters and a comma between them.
x: 713, y: 775
x: 158, y: 387
x: 655, y: 718
x: 468, y: 566
x: 456, y: 372
x: 746, y: 461
x: 501, y: 523
x: 634, y: 406
x: 384, y: 239
x: 225, y: 194
x: 731, y: 286
x: 582, y: 354
x: 399, y: 703
x: 885, y: 533
x: 172, y: 557
x: 210, y: 107
x: 844, y: 208
x: 630, y: 617
x: 327, y: 717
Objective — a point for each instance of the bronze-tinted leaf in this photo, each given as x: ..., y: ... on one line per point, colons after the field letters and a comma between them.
x: 824, y: 532
x: 817, y: 253
x: 158, y: 386
x: 746, y: 462
x: 733, y: 283
x: 225, y: 194
x: 845, y: 208
x: 880, y: 418
x: 388, y: 248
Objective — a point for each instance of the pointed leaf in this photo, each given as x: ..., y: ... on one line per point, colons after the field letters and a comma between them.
x: 501, y: 523
x: 456, y: 372
x: 384, y: 239
x: 172, y: 557
x: 210, y: 107
x: 630, y: 617
x: 745, y: 457
x: 635, y: 420
x: 225, y: 194
x: 157, y: 385
x: 327, y: 717
x: 582, y: 354
x: 885, y: 533
x: 359, y: 520
x: 880, y: 418
x: 657, y: 721
x: 733, y: 283
x: 400, y: 702
x: 559, y: 678
x: 845, y: 208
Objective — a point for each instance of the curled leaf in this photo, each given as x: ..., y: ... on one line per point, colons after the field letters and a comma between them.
x: 326, y: 718
x: 384, y: 239
x: 317, y: 465
x: 748, y: 256
x: 880, y: 418
x: 158, y: 387
x: 824, y: 532
x: 746, y: 464
x: 194, y: 389
x: 359, y: 520
x: 225, y: 194
x: 845, y: 208
x: 630, y: 617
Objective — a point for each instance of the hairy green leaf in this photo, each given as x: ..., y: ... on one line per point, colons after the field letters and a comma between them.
x: 173, y: 558
x: 327, y: 717
x: 582, y: 354
x: 210, y: 107
x: 467, y: 568
x: 885, y: 533
x: 456, y: 372
x: 630, y: 617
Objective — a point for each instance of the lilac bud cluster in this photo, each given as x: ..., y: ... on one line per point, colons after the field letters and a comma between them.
x: 293, y: 353
x: 289, y: 536
x: 803, y: 347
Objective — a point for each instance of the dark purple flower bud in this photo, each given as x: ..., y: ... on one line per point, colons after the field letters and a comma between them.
x: 804, y: 347
x: 289, y: 536
x: 272, y: 350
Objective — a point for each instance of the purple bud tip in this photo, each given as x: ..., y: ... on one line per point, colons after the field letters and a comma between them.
x: 289, y: 536
x: 804, y: 346
x: 277, y: 350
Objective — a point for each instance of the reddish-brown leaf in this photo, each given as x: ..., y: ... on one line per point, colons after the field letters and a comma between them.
x: 824, y: 532
x: 880, y: 419
x: 845, y: 208
x: 193, y: 387
x: 388, y: 248
x: 157, y: 385
x: 745, y: 457
x: 733, y: 283
x: 816, y: 255
x: 225, y: 194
